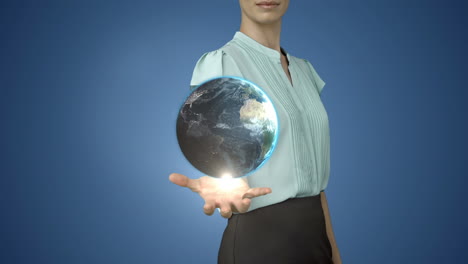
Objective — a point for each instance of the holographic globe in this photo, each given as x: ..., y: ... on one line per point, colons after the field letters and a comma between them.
x: 227, y: 127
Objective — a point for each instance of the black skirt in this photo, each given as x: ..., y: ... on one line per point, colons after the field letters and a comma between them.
x: 290, y: 232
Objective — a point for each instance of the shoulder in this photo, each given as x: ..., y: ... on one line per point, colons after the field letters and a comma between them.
x: 215, y: 63
x: 208, y: 66
x: 308, y: 69
x: 228, y: 50
x: 302, y: 63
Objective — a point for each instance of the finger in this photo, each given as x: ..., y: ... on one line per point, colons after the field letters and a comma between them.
x: 255, y: 192
x: 184, y: 181
x: 209, y: 208
x: 179, y: 179
x: 225, y: 211
x: 243, y: 205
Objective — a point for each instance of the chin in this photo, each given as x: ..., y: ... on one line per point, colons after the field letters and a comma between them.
x: 266, y: 19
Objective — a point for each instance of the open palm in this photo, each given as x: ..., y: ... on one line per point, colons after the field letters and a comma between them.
x: 230, y: 195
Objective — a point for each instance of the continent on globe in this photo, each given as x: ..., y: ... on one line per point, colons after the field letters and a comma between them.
x: 259, y: 117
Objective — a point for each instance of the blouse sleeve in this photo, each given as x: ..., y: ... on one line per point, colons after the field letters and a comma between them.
x: 319, y: 83
x: 213, y: 64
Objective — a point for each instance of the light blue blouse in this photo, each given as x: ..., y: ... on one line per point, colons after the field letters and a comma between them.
x: 300, y: 164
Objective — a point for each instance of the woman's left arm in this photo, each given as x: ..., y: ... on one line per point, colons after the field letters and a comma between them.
x: 331, y: 236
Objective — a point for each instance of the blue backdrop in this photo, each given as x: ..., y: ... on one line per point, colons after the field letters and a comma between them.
x: 90, y: 93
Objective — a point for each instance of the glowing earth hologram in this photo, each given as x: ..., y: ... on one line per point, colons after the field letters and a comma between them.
x: 227, y: 127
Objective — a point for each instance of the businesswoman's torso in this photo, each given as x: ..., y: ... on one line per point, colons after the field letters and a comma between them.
x: 300, y: 164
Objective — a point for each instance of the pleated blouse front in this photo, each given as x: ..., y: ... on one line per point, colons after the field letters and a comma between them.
x: 300, y: 164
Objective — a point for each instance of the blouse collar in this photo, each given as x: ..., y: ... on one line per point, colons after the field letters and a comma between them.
x: 259, y: 47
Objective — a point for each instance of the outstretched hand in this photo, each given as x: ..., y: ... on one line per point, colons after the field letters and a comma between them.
x: 229, y: 195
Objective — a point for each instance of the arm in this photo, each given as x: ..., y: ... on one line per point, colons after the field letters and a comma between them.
x: 331, y: 236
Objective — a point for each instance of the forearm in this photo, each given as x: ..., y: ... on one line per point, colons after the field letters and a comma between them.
x: 331, y: 236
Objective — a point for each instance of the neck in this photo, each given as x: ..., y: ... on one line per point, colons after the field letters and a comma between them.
x: 266, y: 34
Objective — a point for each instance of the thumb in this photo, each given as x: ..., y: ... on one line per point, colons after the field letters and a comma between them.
x: 255, y: 192
x: 183, y: 181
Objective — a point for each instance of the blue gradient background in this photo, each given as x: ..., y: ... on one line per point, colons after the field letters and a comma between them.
x: 89, y: 97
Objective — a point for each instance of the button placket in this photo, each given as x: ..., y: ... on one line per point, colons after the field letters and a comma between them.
x: 290, y: 88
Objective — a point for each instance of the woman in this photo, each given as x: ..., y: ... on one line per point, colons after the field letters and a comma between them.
x: 279, y: 214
